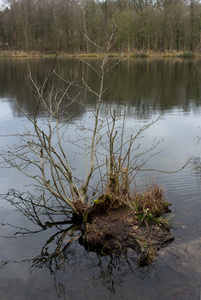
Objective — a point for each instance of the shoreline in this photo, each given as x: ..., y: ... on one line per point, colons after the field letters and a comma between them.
x: 136, y: 54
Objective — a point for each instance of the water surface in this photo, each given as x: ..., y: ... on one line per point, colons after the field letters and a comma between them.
x: 144, y: 89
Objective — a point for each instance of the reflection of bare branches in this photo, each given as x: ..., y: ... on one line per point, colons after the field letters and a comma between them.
x: 54, y: 260
x: 109, y: 270
x: 41, y: 212
x: 62, y: 250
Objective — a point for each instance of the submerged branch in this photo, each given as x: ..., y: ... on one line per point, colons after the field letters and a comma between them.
x: 170, y: 172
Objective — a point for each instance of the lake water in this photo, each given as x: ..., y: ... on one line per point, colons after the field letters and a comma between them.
x: 144, y: 89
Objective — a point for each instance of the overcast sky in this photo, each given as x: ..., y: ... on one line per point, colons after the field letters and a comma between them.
x: 2, y: 2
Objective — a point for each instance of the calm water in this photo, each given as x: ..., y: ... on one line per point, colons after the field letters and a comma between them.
x: 143, y: 88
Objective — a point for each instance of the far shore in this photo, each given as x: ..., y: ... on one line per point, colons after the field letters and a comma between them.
x: 137, y: 54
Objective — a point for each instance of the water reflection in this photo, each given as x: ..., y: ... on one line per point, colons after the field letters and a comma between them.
x: 152, y: 85
x: 68, y: 270
x: 60, y: 266
x: 62, y: 254
x: 148, y: 86
x: 16, y: 84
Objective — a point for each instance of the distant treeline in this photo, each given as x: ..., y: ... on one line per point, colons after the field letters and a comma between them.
x: 61, y: 25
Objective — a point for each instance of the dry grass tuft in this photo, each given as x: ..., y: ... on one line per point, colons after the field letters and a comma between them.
x: 152, y: 200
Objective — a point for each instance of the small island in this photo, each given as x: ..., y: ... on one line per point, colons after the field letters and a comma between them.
x: 117, y: 223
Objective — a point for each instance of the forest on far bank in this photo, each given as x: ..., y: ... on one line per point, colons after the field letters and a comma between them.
x: 61, y: 25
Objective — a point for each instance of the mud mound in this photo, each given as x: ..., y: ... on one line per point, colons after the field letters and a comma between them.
x: 113, y: 227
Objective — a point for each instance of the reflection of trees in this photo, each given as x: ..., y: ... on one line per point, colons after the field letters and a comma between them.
x: 16, y: 85
x: 196, y: 161
x: 156, y: 84
x: 142, y: 85
x: 110, y: 270
x: 196, y: 165
x: 62, y: 250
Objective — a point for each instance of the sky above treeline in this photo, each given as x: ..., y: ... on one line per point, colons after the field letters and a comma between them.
x: 3, y: 3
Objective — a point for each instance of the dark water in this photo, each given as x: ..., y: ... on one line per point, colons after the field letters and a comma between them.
x: 143, y: 88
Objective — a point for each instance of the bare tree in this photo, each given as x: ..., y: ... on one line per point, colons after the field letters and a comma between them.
x: 40, y: 153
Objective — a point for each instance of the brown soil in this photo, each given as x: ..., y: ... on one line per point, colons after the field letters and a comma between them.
x: 117, y: 231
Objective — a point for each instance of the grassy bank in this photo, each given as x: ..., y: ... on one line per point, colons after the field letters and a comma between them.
x: 137, y: 54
